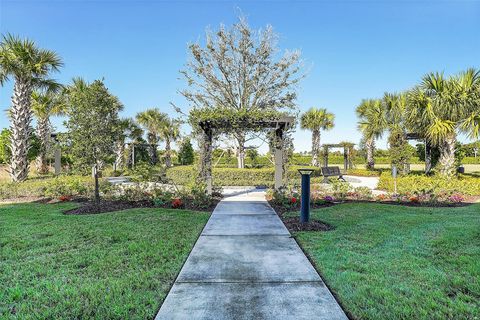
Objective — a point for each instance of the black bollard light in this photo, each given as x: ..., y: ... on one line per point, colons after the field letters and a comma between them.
x: 305, y: 209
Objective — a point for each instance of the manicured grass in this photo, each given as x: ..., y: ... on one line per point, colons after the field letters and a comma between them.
x: 393, y: 262
x: 108, y: 266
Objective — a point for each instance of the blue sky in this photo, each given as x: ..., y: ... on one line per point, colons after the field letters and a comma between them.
x: 353, y: 49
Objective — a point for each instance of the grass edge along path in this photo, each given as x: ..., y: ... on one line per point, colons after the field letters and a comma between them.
x: 117, y: 265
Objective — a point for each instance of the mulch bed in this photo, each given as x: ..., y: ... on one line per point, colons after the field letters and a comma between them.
x: 282, y: 210
x: 91, y: 207
x: 294, y: 224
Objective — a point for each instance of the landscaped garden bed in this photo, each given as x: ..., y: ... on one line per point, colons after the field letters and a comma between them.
x: 80, y: 189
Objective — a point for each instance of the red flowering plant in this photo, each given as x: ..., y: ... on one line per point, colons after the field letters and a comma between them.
x: 414, y: 199
x: 382, y: 197
x: 65, y: 198
x: 287, y: 199
x: 176, y: 203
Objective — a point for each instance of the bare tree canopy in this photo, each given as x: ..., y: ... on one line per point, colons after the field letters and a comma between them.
x: 242, y: 70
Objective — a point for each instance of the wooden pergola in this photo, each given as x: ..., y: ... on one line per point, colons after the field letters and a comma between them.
x: 347, y: 152
x: 208, y: 129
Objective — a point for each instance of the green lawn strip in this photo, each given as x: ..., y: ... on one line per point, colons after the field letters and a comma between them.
x: 394, y: 262
x: 108, y: 266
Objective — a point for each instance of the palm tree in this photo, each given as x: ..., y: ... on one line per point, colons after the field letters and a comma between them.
x: 417, y: 102
x: 152, y: 120
x: 128, y: 130
x: 169, y: 132
x: 29, y: 66
x: 372, y: 123
x: 395, y: 106
x: 451, y: 105
x: 44, y: 105
x: 315, y: 120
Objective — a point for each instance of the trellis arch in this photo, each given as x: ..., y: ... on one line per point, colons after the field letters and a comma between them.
x: 347, y: 153
x: 207, y: 128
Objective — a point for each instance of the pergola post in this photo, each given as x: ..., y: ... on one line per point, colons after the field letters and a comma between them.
x: 58, y: 160
x: 278, y: 158
x: 325, y: 156
x: 206, y: 157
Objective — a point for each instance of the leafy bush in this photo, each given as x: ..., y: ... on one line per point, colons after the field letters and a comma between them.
x: 285, y: 198
x: 362, y: 193
x: 195, y: 196
x: 184, y: 175
x: 420, y: 183
x: 340, y: 188
x: 146, y: 172
x: 49, y: 187
x: 186, y: 153
x: 68, y: 186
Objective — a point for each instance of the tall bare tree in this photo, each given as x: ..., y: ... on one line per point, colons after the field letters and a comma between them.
x: 241, y: 69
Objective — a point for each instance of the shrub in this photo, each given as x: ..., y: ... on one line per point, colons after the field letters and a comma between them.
x: 144, y: 172
x: 419, y: 183
x: 65, y: 198
x: 195, y: 197
x: 184, y: 175
x: 340, y: 188
x: 285, y: 198
x: 177, y: 203
x: 362, y: 193
x: 68, y: 186
x: 329, y: 198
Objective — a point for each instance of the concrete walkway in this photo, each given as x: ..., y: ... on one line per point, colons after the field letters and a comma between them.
x: 245, y: 265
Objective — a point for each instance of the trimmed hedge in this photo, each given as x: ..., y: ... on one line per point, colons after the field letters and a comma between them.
x: 418, y: 183
x: 364, y: 172
x: 235, y: 177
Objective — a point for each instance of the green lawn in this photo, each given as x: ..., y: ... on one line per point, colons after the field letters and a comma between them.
x: 108, y: 266
x: 392, y: 262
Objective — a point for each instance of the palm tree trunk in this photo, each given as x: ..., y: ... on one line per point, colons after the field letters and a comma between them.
x: 20, y: 119
x: 119, y: 152
x: 447, y: 155
x: 152, y: 149
x: 315, y: 148
x: 428, y: 157
x: 43, y: 133
x: 370, y: 144
x: 168, y: 158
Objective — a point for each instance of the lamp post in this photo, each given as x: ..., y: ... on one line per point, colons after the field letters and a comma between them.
x: 305, y: 209
x: 394, y: 175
